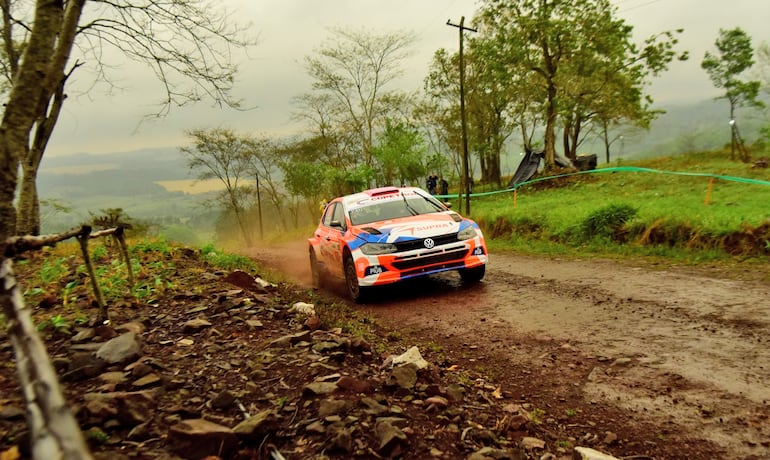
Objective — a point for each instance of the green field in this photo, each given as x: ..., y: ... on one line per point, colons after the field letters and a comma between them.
x: 698, y: 206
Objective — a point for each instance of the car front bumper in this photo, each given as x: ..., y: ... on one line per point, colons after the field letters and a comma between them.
x: 374, y: 270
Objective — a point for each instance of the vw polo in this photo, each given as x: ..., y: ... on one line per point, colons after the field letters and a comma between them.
x: 389, y: 234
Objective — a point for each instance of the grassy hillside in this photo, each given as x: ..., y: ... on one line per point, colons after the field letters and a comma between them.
x: 643, y: 212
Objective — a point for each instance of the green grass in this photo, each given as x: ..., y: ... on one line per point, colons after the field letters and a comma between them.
x: 637, y: 213
x: 225, y: 260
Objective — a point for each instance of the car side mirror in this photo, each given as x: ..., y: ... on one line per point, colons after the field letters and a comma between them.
x: 448, y: 205
x: 336, y: 223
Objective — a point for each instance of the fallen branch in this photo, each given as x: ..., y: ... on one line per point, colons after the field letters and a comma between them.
x: 53, y: 430
x: 17, y: 245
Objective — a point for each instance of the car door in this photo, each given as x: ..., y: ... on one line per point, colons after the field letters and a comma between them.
x: 331, y: 234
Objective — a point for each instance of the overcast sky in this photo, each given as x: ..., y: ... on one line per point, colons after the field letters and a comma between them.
x: 289, y: 30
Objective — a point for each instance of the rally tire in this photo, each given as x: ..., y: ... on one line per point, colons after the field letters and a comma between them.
x: 355, y: 291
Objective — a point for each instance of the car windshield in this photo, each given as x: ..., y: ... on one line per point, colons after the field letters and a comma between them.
x: 393, y: 209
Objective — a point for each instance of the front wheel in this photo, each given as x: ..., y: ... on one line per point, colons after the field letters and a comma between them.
x: 355, y: 291
x: 473, y: 275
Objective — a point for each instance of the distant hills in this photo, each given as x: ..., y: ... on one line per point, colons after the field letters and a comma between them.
x: 696, y: 127
x: 89, y: 183
x: 122, y: 173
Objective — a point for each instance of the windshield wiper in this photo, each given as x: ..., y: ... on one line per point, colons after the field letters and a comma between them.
x: 430, y: 201
x: 411, y: 210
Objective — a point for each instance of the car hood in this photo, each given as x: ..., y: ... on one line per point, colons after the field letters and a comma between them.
x: 410, y: 228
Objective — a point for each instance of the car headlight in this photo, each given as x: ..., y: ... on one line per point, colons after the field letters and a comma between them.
x: 466, y: 234
x: 372, y: 249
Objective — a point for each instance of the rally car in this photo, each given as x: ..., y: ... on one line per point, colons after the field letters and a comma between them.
x: 388, y: 234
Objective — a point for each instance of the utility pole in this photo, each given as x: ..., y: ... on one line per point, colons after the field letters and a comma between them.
x: 466, y: 186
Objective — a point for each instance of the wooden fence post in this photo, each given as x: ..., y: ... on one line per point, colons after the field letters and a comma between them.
x: 121, y: 237
x: 83, y: 240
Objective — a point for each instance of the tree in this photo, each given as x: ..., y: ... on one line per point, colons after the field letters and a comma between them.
x: 491, y: 109
x: 185, y: 43
x: 399, y: 154
x: 488, y: 102
x: 306, y: 180
x: 329, y: 143
x: 36, y: 69
x: 223, y: 155
x: 263, y: 161
x: 735, y: 56
x: 562, y: 52
x: 53, y: 430
x: 439, y: 112
x: 353, y: 70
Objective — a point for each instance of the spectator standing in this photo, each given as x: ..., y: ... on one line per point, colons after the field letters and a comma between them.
x: 444, y: 186
x: 431, y: 184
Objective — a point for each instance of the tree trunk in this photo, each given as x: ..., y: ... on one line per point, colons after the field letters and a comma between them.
x: 495, y: 161
x: 38, y: 77
x: 483, y: 165
x: 574, y: 136
x: 242, y: 225
x: 550, y: 127
x: 28, y: 207
x: 8, y: 179
x: 20, y: 114
x: 565, y: 137
x: 240, y: 218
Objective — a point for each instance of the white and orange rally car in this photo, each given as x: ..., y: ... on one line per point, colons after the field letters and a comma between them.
x: 389, y: 234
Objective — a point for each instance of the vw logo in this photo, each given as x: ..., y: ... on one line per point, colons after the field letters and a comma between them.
x: 429, y: 243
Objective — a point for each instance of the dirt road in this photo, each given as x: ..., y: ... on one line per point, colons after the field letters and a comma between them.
x: 688, y: 350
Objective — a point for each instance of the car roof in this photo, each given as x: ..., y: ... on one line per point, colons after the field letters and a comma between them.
x: 378, y: 194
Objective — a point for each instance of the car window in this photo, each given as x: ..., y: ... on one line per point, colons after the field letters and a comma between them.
x: 326, y: 220
x: 366, y: 214
x: 339, y: 215
x: 424, y: 205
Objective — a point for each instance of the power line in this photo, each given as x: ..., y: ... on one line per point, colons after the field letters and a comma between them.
x: 636, y: 7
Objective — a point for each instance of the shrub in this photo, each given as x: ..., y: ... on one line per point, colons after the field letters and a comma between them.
x: 606, y: 222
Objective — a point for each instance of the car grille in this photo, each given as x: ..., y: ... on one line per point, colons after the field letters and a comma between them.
x: 411, y: 245
x: 428, y: 261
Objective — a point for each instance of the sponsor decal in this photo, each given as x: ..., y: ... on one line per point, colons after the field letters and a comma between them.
x: 374, y: 270
x: 415, y: 230
x: 422, y: 228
